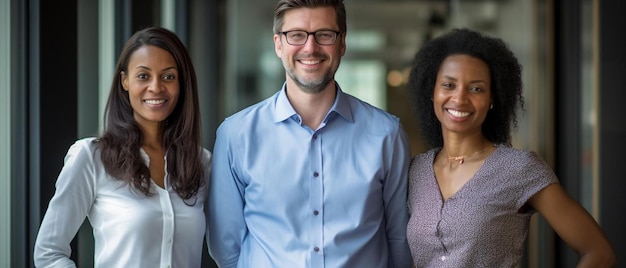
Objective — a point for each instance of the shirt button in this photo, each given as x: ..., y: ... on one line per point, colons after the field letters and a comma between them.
x: 314, y: 136
x: 443, y: 258
x: 316, y: 249
x: 315, y: 212
x: 315, y: 174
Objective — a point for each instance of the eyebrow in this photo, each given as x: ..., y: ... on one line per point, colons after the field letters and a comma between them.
x: 166, y: 69
x: 473, y: 81
x: 320, y: 29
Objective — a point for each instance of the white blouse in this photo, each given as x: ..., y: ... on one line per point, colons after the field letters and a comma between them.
x: 129, y: 228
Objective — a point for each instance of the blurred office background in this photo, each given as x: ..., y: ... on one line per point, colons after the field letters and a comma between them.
x: 57, y: 59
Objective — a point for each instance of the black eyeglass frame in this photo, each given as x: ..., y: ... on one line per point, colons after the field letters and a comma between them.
x: 337, y: 33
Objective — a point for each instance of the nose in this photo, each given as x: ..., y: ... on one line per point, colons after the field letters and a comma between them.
x: 460, y: 94
x: 155, y: 85
x: 310, y: 44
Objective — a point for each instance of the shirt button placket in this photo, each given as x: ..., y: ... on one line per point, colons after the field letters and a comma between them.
x: 168, y: 229
x: 316, y: 199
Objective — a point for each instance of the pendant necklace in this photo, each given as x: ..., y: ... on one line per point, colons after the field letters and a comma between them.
x: 461, y: 158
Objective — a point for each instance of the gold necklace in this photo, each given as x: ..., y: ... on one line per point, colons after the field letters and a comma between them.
x: 461, y: 158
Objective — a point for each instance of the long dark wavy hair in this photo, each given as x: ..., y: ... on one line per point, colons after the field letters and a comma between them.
x: 121, y: 139
x: 284, y: 5
x: 506, y: 83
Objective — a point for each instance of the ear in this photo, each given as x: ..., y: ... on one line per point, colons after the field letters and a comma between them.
x: 124, y: 79
x: 278, y: 45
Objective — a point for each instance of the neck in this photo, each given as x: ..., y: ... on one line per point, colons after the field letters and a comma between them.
x: 461, y: 158
x: 312, y: 107
x: 152, y: 137
x: 459, y: 152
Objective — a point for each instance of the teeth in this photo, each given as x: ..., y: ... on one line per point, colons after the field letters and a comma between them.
x: 458, y: 114
x: 154, y: 101
x: 310, y: 61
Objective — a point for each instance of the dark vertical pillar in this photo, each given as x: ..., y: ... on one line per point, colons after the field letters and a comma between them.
x: 57, y: 90
x: 205, y: 46
x: 52, y: 109
x: 20, y: 254
x: 181, y: 23
x: 123, y: 24
x: 204, y: 41
x: 612, y: 123
x: 88, y: 95
x: 144, y: 13
x: 568, y: 105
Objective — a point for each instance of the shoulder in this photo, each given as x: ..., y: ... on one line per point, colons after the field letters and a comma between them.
x: 86, y: 142
x: 425, y: 158
x: 206, y: 153
x: 84, y: 146
x: 262, y: 110
x: 376, y: 119
x: 527, y: 164
x: 363, y: 108
x: 520, y: 158
x: 207, y: 163
x: 430, y: 154
x: 206, y: 157
x: 82, y: 157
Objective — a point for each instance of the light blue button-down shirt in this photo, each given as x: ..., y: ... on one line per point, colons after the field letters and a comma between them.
x: 285, y: 195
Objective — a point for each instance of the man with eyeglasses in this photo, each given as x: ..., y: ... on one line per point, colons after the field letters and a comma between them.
x: 310, y: 177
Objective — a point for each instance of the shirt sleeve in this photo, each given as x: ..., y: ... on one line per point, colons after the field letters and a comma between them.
x: 226, y: 224
x: 395, y: 199
x: 67, y: 209
x: 208, y: 162
x: 533, y: 176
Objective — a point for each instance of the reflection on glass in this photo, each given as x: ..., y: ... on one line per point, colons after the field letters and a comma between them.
x: 364, y: 79
x: 382, y: 39
x: 588, y: 110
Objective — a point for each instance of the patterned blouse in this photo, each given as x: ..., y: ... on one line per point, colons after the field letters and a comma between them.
x: 485, y: 223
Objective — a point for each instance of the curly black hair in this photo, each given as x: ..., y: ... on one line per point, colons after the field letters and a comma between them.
x: 506, y: 83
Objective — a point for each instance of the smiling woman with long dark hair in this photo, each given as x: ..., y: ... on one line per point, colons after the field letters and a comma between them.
x: 142, y: 183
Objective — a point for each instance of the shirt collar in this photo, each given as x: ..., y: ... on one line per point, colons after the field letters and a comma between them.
x: 284, y: 109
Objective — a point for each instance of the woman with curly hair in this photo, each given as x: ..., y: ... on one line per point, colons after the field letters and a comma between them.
x: 471, y: 195
x: 142, y: 183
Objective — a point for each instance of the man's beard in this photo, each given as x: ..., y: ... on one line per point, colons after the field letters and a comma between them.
x: 313, y: 86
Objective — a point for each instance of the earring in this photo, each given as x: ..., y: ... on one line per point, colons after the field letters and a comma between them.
x: 491, y: 106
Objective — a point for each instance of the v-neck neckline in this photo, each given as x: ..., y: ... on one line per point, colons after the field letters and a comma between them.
x: 473, y: 178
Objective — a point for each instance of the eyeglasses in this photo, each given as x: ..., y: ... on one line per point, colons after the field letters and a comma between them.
x: 322, y: 38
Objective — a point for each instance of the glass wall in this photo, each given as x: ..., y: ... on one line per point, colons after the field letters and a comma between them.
x: 588, y: 112
x: 231, y: 43
x: 382, y: 39
x: 5, y: 135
